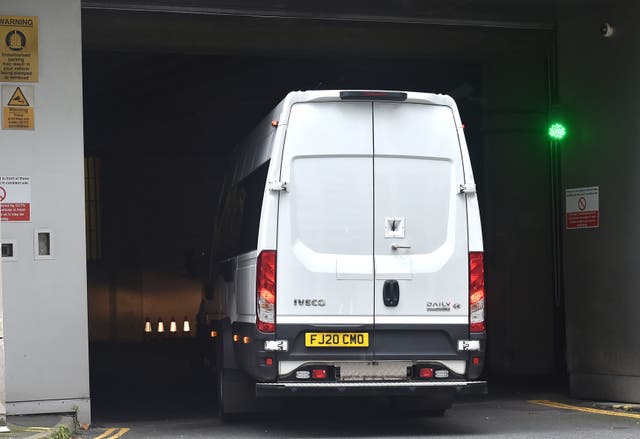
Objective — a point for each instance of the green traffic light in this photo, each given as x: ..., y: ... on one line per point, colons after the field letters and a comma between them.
x: 557, y: 131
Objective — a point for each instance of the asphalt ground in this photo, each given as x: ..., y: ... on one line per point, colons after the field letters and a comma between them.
x: 489, y: 417
x: 158, y: 395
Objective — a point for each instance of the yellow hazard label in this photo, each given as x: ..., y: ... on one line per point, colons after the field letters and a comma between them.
x: 18, y: 49
x: 18, y: 118
x: 18, y: 102
x: 18, y: 99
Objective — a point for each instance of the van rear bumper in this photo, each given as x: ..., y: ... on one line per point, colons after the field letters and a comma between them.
x: 380, y: 388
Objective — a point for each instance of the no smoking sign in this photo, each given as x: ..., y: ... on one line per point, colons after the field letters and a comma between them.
x: 582, y: 203
x: 582, y: 207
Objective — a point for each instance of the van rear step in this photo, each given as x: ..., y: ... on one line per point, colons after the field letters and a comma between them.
x: 369, y: 388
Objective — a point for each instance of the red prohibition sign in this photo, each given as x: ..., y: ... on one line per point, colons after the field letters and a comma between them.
x: 3, y: 194
x: 582, y: 203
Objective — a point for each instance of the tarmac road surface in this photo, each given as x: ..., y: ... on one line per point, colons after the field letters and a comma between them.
x: 157, y: 396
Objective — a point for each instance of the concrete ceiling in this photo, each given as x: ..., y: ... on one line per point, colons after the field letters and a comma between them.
x: 420, y: 28
x: 491, y: 11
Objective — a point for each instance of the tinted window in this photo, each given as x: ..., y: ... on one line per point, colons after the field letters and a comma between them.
x: 253, y: 188
x: 238, y: 224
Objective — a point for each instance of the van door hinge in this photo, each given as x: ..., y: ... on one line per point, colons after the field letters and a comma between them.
x: 467, y: 188
x: 278, y: 186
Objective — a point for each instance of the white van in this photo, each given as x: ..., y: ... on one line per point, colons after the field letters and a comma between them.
x: 351, y: 252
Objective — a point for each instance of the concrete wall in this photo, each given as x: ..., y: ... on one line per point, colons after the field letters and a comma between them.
x: 45, y: 301
x: 599, y: 85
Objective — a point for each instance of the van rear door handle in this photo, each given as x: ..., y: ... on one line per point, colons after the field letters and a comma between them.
x: 397, y: 246
x: 391, y: 293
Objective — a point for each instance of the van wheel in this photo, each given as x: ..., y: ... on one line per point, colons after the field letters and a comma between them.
x: 236, y: 394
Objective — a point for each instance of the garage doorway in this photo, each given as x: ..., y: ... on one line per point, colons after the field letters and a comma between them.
x: 161, y: 117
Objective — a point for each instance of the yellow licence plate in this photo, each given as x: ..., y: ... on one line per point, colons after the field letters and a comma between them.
x: 336, y: 339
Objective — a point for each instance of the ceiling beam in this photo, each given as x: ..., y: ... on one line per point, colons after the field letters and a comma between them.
x: 106, y: 5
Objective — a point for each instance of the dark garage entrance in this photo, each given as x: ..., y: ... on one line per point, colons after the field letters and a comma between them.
x: 168, y: 95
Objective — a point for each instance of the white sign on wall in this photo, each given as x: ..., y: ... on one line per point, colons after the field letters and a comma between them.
x: 15, y: 199
x: 582, y: 207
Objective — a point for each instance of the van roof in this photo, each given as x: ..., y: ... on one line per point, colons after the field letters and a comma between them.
x: 334, y: 95
x: 251, y: 151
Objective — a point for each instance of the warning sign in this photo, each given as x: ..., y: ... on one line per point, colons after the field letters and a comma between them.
x: 582, y: 207
x: 18, y: 112
x: 17, y: 99
x: 15, y: 198
x: 18, y: 49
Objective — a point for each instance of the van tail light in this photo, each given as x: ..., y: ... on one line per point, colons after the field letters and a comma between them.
x: 476, y: 292
x: 266, y: 291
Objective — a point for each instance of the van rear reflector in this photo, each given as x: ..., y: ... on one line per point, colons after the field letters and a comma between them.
x: 319, y: 374
x: 426, y: 372
x: 373, y: 95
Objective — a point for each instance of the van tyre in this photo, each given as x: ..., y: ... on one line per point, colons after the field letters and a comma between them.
x: 236, y: 394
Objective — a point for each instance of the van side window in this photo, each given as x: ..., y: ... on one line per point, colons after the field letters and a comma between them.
x: 253, y: 187
x: 227, y: 233
x: 237, y: 228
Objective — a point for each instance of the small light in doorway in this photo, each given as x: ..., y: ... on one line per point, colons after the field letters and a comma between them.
x: 186, y: 327
x: 160, y: 325
x: 173, y: 327
x: 147, y: 326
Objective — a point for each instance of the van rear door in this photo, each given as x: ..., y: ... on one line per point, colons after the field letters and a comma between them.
x: 325, y: 228
x: 420, y: 235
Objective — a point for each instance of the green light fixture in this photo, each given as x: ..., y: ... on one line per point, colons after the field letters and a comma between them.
x: 557, y: 131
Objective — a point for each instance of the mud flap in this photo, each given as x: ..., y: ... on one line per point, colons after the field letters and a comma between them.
x: 236, y: 393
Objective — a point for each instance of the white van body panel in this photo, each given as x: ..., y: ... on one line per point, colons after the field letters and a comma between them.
x: 473, y: 210
x: 418, y: 169
x: 325, y: 218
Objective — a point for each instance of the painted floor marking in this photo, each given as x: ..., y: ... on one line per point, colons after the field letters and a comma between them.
x: 113, y: 433
x: 559, y: 405
x: 122, y: 432
x: 105, y: 434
